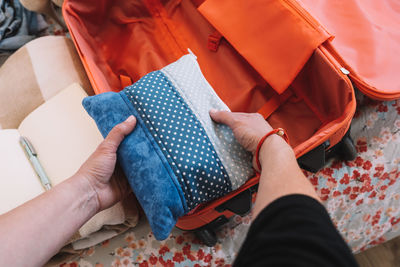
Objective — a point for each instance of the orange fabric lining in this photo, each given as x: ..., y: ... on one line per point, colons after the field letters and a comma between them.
x: 281, y: 22
x: 176, y: 43
x: 274, y: 103
x: 234, y: 80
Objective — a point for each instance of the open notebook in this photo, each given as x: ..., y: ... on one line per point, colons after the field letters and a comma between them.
x: 64, y: 136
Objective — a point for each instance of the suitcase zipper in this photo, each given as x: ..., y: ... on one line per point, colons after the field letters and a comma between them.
x: 304, y: 15
x: 365, y: 88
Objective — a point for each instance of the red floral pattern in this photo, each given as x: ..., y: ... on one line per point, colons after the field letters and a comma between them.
x: 362, y: 197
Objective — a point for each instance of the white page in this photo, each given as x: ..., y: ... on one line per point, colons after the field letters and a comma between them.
x: 62, y: 133
x: 18, y: 180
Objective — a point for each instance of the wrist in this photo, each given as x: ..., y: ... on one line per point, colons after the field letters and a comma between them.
x: 87, y: 197
x: 275, y: 149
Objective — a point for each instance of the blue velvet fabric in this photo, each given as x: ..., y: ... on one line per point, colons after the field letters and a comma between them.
x: 148, y: 172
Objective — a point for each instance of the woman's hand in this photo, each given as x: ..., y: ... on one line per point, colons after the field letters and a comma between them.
x: 280, y: 174
x: 248, y: 128
x: 99, y: 168
x: 67, y: 206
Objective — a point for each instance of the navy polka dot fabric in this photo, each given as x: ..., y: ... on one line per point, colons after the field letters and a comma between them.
x: 181, y: 138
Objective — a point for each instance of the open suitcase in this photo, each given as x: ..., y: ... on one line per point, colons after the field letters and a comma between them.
x: 266, y: 56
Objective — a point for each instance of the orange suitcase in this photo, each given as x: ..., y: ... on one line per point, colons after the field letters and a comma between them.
x: 266, y: 56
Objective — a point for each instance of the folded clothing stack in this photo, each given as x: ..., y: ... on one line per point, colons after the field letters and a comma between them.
x: 177, y: 157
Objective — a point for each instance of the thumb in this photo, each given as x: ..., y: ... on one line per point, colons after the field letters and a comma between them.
x: 118, y: 133
x: 223, y: 116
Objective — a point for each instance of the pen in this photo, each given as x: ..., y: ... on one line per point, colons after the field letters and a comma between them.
x: 32, y: 155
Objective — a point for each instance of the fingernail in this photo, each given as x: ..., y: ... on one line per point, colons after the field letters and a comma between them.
x: 130, y: 118
x: 213, y: 110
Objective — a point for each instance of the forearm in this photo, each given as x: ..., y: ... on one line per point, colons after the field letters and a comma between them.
x: 280, y: 174
x: 40, y: 227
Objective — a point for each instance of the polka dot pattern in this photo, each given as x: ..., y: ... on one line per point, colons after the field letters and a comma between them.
x: 181, y: 138
x: 188, y: 80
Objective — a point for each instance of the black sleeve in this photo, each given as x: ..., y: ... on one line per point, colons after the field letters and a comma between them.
x: 294, y: 230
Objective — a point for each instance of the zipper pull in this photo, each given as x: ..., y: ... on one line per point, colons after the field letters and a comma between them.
x: 344, y: 71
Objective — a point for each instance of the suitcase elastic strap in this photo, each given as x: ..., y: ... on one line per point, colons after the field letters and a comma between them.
x: 274, y: 103
x: 125, y: 80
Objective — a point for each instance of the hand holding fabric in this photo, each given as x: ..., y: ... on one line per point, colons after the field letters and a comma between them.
x: 248, y: 128
x: 99, y: 168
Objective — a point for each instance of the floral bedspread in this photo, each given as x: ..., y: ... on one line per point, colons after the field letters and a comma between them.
x: 362, y: 197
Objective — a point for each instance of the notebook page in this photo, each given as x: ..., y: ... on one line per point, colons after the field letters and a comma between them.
x: 62, y: 133
x: 18, y: 180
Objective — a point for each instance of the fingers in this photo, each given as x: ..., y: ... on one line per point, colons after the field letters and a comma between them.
x: 224, y: 117
x: 118, y: 133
